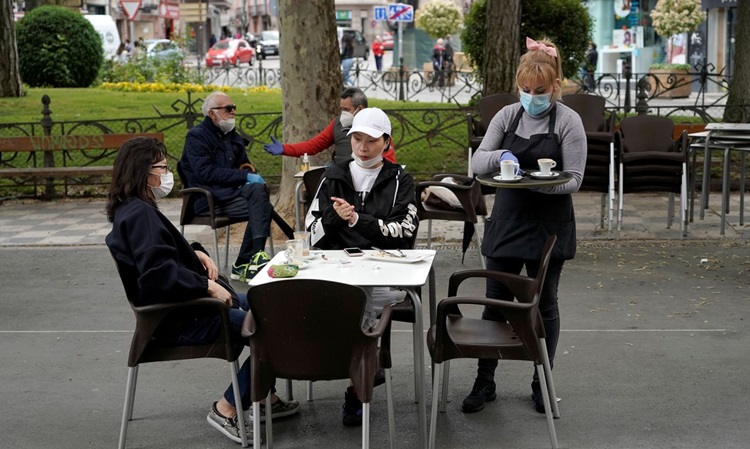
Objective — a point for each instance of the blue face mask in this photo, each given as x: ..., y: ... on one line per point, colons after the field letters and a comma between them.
x: 535, y: 104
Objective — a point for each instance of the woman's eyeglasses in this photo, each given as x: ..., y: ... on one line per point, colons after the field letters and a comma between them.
x: 163, y: 167
x: 227, y: 108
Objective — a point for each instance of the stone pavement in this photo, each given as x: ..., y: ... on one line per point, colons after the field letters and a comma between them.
x: 82, y: 222
x: 653, y: 349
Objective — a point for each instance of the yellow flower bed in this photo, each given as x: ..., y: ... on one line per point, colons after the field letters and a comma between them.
x: 181, y: 88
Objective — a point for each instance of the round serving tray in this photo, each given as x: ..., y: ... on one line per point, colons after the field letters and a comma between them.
x: 526, y: 182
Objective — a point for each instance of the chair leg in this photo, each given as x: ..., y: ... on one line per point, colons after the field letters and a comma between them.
x: 602, y: 209
x: 547, y: 407
x: 619, y: 195
x: 434, y: 411
x: 479, y: 246
x: 365, y: 425
x: 216, y: 244
x: 550, y: 384
x: 226, y: 250
x: 233, y: 369
x: 127, y: 408
x: 269, y: 423
x: 132, y: 397
x: 684, y: 201
x: 289, y: 390
x: 429, y: 233
x: 272, y: 250
x: 309, y: 391
x: 444, y: 395
x: 416, y: 340
x: 670, y: 210
x: 256, y: 425
x: 391, y: 413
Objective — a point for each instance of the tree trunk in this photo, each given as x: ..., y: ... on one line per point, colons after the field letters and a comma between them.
x: 737, y: 109
x: 10, y: 76
x: 310, y: 82
x: 502, y: 48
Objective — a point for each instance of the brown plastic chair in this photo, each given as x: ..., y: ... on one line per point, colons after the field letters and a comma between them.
x: 454, y: 336
x: 311, y: 330
x: 213, y: 220
x: 651, y: 161
x: 145, y: 348
x: 600, y: 159
x: 468, y: 192
x: 488, y: 107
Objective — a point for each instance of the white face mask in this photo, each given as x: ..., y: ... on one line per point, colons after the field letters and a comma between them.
x: 167, y: 182
x: 346, y: 119
x: 370, y: 163
x: 226, y: 125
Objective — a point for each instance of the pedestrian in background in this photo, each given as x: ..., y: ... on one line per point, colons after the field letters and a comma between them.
x: 378, y: 49
x: 347, y: 58
x: 438, y: 56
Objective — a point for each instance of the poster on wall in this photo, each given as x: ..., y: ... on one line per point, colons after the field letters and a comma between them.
x: 697, y: 46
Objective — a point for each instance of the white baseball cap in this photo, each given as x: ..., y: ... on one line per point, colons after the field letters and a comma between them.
x: 371, y: 121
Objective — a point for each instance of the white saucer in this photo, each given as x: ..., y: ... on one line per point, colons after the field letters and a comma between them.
x: 539, y: 175
x: 310, y: 256
x: 500, y: 179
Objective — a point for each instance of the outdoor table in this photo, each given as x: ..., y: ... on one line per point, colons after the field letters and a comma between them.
x: 526, y: 181
x: 726, y: 136
x: 370, y: 270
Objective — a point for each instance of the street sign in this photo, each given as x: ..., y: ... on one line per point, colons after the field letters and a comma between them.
x: 401, y: 12
x: 130, y: 8
x: 381, y: 13
x: 169, y: 9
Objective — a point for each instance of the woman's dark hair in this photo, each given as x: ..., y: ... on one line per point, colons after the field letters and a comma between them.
x: 130, y: 173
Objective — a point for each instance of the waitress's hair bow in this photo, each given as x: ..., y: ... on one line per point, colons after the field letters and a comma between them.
x: 531, y: 44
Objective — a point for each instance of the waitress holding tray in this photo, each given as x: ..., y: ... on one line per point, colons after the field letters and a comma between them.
x: 538, y: 127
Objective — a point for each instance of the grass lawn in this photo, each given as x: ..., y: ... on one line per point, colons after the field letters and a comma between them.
x: 97, y: 104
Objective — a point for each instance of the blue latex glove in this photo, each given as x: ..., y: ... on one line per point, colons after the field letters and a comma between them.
x: 253, y: 178
x: 508, y: 156
x: 275, y: 148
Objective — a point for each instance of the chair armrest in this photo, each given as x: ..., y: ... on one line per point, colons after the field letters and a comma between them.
x: 463, y: 194
x: 248, y: 325
x: 190, y: 191
x: 383, y: 322
x: 149, y: 317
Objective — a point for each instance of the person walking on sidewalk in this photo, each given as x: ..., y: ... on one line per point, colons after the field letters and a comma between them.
x: 214, y: 158
x: 352, y: 101
x: 522, y: 219
x: 378, y: 49
x: 164, y: 267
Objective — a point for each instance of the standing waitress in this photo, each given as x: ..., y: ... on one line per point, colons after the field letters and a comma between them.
x: 522, y: 219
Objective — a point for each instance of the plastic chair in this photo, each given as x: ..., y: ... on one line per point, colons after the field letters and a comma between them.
x: 488, y: 107
x: 468, y: 192
x: 600, y: 159
x: 213, y: 220
x: 145, y: 348
x: 454, y: 336
x: 311, y: 330
x: 651, y: 161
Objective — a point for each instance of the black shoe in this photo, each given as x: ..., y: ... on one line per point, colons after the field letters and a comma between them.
x: 379, y: 377
x: 352, y: 414
x: 483, y: 391
x: 537, y: 397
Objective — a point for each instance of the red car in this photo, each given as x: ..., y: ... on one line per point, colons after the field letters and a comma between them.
x: 230, y: 52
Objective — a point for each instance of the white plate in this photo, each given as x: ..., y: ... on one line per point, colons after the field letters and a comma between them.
x: 388, y: 258
x: 310, y: 256
x: 516, y: 179
x: 539, y: 175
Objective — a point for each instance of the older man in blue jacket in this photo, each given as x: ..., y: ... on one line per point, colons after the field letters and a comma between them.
x: 214, y: 158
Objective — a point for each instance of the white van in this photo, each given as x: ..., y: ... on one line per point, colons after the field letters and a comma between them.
x: 105, y: 26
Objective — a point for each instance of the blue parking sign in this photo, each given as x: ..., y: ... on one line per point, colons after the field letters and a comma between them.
x: 381, y: 13
x: 401, y: 12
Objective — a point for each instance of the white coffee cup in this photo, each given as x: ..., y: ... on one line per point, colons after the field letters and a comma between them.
x: 294, y: 251
x: 546, y: 166
x: 509, y: 170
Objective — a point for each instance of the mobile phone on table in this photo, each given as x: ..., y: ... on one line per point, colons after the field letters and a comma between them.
x: 353, y: 252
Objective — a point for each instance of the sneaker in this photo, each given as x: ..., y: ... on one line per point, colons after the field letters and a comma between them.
x: 258, y: 261
x: 483, y: 391
x: 279, y: 409
x: 228, y: 426
x: 239, y: 272
x: 352, y: 414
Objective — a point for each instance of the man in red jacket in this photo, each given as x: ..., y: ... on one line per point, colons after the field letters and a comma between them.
x: 352, y: 101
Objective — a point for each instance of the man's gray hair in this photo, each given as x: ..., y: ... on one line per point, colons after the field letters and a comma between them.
x: 210, y: 102
x: 358, y: 97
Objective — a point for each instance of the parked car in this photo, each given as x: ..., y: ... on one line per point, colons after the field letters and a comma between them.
x: 361, y: 49
x: 268, y: 43
x: 387, y: 40
x: 162, y: 49
x: 230, y: 52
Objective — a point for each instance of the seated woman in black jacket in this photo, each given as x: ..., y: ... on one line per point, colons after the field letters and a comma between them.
x: 169, y: 269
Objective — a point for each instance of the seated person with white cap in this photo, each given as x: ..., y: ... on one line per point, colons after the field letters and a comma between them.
x: 364, y: 202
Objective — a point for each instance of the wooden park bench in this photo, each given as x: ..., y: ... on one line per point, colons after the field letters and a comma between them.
x: 31, y: 160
